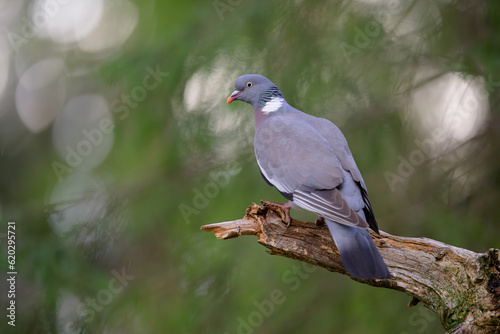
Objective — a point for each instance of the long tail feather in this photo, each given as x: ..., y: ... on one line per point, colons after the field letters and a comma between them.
x: 359, y: 254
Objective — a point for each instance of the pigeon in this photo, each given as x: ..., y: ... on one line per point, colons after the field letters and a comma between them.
x: 309, y: 162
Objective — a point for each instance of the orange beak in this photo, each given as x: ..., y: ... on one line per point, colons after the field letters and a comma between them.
x: 233, y: 96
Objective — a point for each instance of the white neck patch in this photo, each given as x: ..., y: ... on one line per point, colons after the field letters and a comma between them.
x: 274, y: 104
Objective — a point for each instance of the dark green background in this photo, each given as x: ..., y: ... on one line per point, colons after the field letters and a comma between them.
x: 332, y: 59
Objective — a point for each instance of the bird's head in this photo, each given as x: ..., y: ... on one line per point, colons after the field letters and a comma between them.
x: 254, y: 89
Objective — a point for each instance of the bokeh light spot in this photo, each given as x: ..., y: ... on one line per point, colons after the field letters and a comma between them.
x: 40, y: 93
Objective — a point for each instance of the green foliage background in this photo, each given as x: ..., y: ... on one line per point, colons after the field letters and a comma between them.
x: 167, y: 152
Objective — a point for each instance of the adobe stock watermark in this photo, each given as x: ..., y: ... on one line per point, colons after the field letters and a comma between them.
x: 420, y: 319
x: 121, y: 107
x: 427, y: 148
x: 223, y: 6
x: 416, y: 158
x: 47, y: 10
x: 366, y: 35
x: 220, y: 179
x: 265, y: 308
x: 202, y: 195
x: 87, y: 310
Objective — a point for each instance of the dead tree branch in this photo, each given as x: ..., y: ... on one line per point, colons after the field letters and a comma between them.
x: 461, y: 286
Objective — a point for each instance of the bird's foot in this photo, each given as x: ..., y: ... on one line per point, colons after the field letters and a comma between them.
x: 285, y: 207
x: 320, y: 221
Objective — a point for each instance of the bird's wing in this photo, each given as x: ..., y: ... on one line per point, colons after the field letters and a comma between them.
x: 337, y: 141
x: 329, y: 204
x: 297, y: 160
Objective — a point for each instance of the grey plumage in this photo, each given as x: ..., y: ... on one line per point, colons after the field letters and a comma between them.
x: 308, y: 160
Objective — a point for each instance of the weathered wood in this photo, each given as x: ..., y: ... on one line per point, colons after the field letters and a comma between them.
x: 461, y: 286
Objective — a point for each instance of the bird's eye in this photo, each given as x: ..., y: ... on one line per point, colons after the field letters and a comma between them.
x: 249, y: 84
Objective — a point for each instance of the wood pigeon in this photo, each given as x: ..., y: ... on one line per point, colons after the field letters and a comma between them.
x: 308, y: 160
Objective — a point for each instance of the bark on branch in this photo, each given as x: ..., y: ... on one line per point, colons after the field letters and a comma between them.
x: 461, y: 286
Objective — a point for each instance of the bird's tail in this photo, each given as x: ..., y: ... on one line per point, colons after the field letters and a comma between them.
x: 359, y: 254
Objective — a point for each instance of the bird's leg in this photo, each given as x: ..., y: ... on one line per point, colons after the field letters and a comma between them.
x: 319, y: 221
x: 285, y: 207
